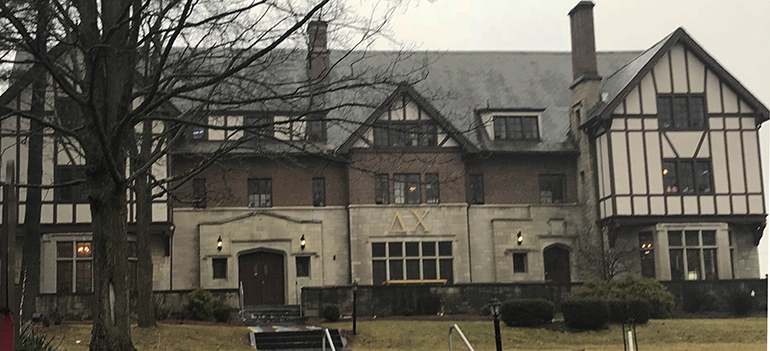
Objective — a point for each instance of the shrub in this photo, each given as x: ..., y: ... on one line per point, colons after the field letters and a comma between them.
x: 526, y: 312
x: 221, y: 311
x: 740, y: 302
x: 331, y: 313
x: 586, y: 313
x: 200, y: 304
x: 629, y: 311
x: 30, y: 340
x: 632, y: 288
x: 696, y: 299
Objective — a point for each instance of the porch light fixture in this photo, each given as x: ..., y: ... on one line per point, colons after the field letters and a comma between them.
x: 302, y: 242
x: 219, y: 243
x: 494, y: 307
x: 519, y: 238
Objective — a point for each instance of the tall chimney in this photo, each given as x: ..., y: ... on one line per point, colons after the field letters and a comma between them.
x: 318, y: 53
x: 583, y: 43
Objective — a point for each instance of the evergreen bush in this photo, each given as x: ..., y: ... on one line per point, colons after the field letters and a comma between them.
x: 740, y: 302
x: 632, y: 288
x: 526, y: 312
x: 629, y: 311
x: 221, y: 311
x: 586, y: 313
x: 331, y: 313
x: 200, y: 304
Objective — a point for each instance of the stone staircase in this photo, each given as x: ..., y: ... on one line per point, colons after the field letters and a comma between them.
x: 295, y: 340
x: 271, y: 314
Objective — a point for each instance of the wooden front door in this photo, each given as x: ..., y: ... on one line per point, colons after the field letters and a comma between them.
x: 261, y: 274
x: 556, y: 265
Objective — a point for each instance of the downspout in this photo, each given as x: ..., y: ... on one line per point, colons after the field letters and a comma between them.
x: 468, y: 232
x: 347, y: 213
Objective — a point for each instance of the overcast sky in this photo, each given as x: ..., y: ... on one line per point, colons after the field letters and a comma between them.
x: 736, y: 33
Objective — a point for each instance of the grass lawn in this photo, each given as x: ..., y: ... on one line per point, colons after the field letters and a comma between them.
x: 391, y: 335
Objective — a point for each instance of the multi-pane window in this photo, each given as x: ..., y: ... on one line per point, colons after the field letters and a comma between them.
x: 319, y: 192
x: 405, y: 133
x: 381, y: 189
x: 693, y: 254
x: 646, y: 255
x: 681, y: 111
x: 219, y: 266
x: 71, y: 193
x: 687, y: 176
x: 516, y: 128
x: 551, y: 189
x: 406, y: 188
x: 316, y: 128
x: 303, y: 266
x: 73, y: 260
x: 199, y: 192
x: 259, y: 125
x: 412, y: 260
x: 520, y: 262
x: 431, y: 188
x: 476, y: 189
x: 260, y: 192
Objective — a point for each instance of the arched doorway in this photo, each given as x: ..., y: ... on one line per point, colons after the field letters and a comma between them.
x: 262, y: 276
x: 556, y: 263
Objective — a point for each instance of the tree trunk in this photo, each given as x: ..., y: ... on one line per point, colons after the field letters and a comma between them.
x: 145, y: 303
x: 111, y: 323
x: 30, y: 262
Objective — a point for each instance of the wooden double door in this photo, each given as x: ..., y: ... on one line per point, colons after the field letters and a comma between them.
x: 556, y: 261
x: 262, y: 277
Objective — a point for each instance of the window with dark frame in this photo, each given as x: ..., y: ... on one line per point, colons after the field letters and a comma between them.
x: 73, y: 255
x: 319, y: 192
x: 316, y: 128
x: 476, y: 189
x: 381, y: 189
x: 260, y: 192
x: 259, y: 125
x: 412, y: 260
x: 551, y: 189
x: 219, y: 265
x: 72, y: 193
x: 431, y: 188
x: 681, y: 111
x: 303, y: 266
x: 199, y: 192
x: 516, y: 128
x: 693, y: 254
x: 646, y: 255
x: 519, y: 262
x: 405, y: 133
x: 687, y: 176
x: 68, y: 112
x: 406, y: 188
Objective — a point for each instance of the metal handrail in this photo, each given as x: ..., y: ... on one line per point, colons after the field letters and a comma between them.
x: 459, y: 331
x: 328, y: 336
x: 240, y: 300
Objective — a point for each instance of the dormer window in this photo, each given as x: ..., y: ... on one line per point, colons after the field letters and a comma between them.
x: 516, y: 128
x: 681, y: 111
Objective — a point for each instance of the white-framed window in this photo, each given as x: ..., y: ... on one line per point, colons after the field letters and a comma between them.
x: 412, y: 260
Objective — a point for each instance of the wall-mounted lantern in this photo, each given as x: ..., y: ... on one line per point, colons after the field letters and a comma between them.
x: 519, y: 238
x: 302, y: 242
x: 219, y: 243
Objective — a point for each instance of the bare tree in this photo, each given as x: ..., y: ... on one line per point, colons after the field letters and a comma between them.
x: 135, y: 63
x: 602, y: 258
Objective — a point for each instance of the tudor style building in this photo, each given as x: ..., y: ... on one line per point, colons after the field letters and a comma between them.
x: 527, y: 166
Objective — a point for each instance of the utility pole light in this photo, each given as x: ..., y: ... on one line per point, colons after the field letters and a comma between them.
x: 494, y: 307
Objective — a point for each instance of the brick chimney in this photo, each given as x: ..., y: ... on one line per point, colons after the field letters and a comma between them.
x: 583, y: 43
x: 318, y: 52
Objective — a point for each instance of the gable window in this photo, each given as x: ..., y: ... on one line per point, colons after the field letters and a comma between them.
x: 687, y: 176
x: 260, y: 192
x: 520, y: 262
x: 219, y: 266
x: 259, y: 125
x: 431, y: 188
x: 646, y: 255
x: 405, y: 133
x: 381, y: 190
x: 693, y: 254
x: 516, y: 128
x: 406, y: 188
x: 316, y: 128
x: 199, y: 192
x: 681, y: 111
x: 72, y: 193
x: 551, y: 189
x: 476, y: 189
x: 319, y: 192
